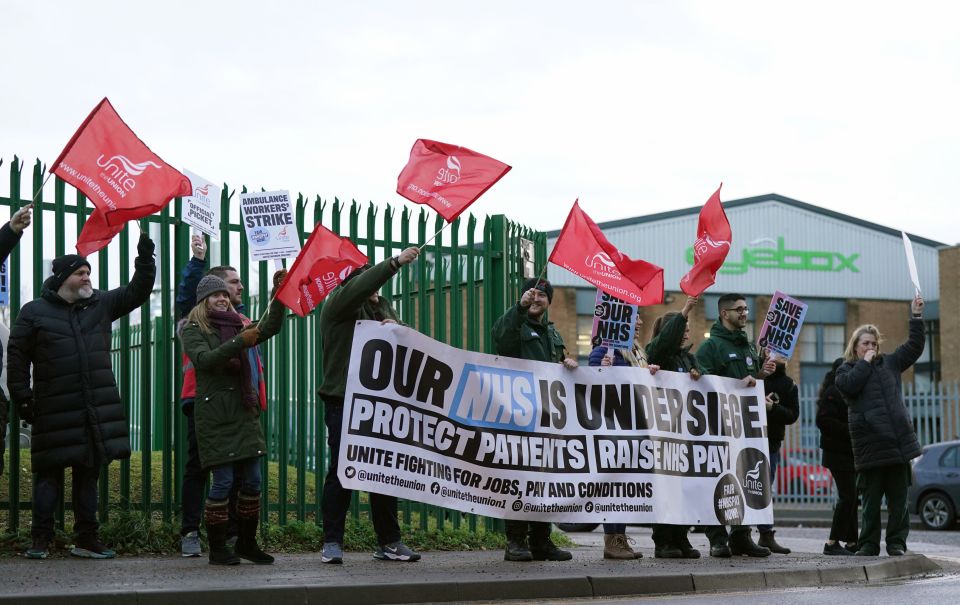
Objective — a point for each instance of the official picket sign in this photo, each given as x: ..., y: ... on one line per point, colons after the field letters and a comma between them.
x: 267, y: 217
x: 614, y: 322
x: 202, y: 209
x: 781, y: 327
x: 510, y: 438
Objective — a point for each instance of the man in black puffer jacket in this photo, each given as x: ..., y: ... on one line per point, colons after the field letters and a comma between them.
x: 72, y: 400
x: 884, y: 440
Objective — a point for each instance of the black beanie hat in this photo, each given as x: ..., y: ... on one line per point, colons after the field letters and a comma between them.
x: 542, y: 285
x: 63, y: 267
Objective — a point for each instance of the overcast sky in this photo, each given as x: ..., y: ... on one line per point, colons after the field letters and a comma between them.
x: 634, y: 107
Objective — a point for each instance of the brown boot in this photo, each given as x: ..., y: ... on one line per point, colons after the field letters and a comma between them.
x: 617, y: 546
x: 215, y: 518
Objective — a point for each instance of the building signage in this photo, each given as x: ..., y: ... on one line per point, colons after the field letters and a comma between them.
x: 781, y: 257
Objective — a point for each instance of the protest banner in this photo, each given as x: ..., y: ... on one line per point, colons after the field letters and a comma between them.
x: 781, y: 327
x: 267, y: 217
x: 202, y: 209
x: 614, y: 322
x: 518, y: 439
x: 911, y: 262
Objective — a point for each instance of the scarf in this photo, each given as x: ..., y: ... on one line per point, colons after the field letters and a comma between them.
x: 227, y: 324
x: 637, y: 357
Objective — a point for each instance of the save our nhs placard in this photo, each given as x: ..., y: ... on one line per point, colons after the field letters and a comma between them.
x: 268, y: 220
x: 781, y: 327
x: 517, y: 439
x: 614, y: 322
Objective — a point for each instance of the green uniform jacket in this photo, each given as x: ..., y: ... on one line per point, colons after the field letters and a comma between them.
x: 227, y: 430
x: 344, y: 307
x: 728, y: 353
x: 665, y: 350
x: 516, y: 334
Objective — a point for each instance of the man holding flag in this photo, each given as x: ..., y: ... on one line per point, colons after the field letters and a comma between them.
x: 356, y: 298
x: 524, y: 332
x: 61, y: 379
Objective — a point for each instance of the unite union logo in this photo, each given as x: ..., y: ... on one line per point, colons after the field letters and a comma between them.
x: 204, y: 191
x: 119, y: 171
x: 705, y: 243
x: 449, y: 174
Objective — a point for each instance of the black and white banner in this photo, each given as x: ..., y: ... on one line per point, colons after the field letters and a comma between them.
x: 509, y: 438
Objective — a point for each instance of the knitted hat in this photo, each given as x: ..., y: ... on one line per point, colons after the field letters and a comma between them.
x: 542, y: 285
x: 63, y: 267
x: 209, y: 285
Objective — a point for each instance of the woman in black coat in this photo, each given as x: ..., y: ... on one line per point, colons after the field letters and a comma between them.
x: 838, y: 458
x: 884, y: 440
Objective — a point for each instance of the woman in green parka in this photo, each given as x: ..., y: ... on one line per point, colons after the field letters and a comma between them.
x: 670, y: 349
x: 221, y: 345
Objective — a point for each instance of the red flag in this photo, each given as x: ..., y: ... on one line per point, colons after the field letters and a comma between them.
x: 325, y: 261
x: 710, y: 249
x: 446, y: 177
x: 116, y: 170
x: 583, y: 250
x: 96, y: 234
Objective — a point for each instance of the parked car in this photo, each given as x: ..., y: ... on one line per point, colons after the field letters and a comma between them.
x: 935, y: 492
x: 801, y: 474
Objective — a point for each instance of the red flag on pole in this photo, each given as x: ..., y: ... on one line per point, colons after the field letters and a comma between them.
x: 325, y: 261
x: 446, y: 177
x: 116, y: 170
x: 711, y: 247
x: 96, y: 234
x: 583, y: 250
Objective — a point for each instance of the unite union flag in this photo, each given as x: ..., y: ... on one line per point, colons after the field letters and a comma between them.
x: 448, y: 178
x: 118, y: 173
x: 585, y: 251
x: 710, y: 248
x: 323, y: 263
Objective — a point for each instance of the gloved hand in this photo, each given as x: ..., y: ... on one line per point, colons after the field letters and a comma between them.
x: 250, y: 335
x: 25, y: 410
x: 278, y: 278
x: 145, y: 246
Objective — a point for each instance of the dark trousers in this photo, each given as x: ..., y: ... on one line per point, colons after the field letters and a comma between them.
x: 844, y: 526
x: 336, y: 498
x: 717, y: 534
x: 892, y: 482
x: 774, y: 463
x: 670, y: 535
x: 194, y: 478
x: 518, y: 531
x: 614, y: 528
x: 47, y: 491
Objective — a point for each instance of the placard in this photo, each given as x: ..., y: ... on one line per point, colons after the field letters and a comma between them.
x: 202, y: 209
x: 781, y: 327
x: 267, y: 217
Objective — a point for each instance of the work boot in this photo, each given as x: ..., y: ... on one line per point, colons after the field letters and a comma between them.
x: 768, y: 540
x: 215, y: 518
x: 868, y: 550
x: 667, y: 551
x: 517, y: 551
x: 548, y: 551
x: 248, y: 518
x: 720, y: 550
x: 689, y: 552
x: 836, y: 550
x: 617, y: 546
x: 743, y: 544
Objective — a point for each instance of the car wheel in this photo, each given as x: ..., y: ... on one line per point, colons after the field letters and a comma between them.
x: 936, y: 511
x: 577, y: 526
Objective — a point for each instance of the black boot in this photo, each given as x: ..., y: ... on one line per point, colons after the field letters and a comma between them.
x: 743, y: 544
x: 215, y: 518
x: 768, y: 540
x: 517, y: 551
x: 248, y: 518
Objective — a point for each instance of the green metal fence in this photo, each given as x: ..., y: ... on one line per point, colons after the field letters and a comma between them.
x: 454, y: 292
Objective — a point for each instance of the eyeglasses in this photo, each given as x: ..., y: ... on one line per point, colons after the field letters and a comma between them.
x: 740, y: 310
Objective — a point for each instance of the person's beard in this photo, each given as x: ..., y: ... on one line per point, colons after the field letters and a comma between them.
x: 84, y: 292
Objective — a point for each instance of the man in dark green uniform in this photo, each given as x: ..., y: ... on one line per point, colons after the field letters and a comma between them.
x: 523, y: 332
x: 728, y: 352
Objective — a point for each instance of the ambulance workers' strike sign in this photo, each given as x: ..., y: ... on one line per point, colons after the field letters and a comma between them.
x: 517, y: 439
x: 268, y: 219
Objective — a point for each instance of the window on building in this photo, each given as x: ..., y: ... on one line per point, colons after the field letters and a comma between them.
x: 584, y: 333
x: 820, y: 344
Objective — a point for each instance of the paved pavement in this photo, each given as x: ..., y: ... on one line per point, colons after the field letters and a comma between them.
x: 439, y: 577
